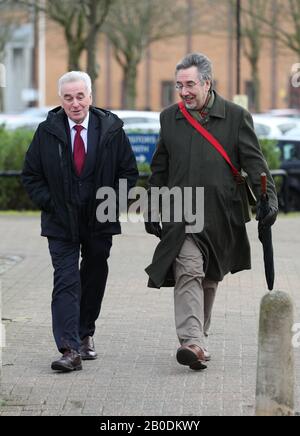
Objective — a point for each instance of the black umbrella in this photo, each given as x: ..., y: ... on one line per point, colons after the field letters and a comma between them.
x: 265, y: 233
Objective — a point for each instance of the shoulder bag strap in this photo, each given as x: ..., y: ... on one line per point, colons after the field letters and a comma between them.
x: 210, y: 138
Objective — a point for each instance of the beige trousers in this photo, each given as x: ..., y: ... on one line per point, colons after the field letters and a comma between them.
x: 194, y: 295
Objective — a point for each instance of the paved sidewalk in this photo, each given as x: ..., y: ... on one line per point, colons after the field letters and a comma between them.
x: 136, y: 372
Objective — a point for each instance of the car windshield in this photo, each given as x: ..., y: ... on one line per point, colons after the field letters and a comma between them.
x: 290, y: 150
x: 37, y: 111
x: 286, y: 127
x: 262, y: 129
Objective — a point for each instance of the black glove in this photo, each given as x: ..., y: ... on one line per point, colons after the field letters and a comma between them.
x: 153, y: 228
x: 269, y: 219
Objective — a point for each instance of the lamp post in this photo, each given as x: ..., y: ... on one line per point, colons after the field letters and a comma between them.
x: 240, y: 99
x: 238, y: 47
x: 189, y: 20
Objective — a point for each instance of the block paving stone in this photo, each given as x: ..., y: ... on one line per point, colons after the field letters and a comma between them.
x: 136, y: 372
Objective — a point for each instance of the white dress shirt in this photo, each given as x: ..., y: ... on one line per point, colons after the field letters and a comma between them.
x: 83, y: 132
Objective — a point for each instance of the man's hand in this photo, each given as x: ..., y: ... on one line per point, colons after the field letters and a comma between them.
x: 269, y: 219
x: 153, y: 228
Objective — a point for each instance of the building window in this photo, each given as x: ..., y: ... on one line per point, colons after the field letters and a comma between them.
x: 167, y: 93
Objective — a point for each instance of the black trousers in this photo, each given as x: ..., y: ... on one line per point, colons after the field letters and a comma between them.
x: 78, y: 290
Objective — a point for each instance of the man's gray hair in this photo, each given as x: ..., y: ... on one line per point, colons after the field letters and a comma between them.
x: 75, y: 76
x: 199, y: 60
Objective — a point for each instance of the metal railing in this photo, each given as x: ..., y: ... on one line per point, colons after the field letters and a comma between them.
x: 10, y: 173
x: 283, y: 195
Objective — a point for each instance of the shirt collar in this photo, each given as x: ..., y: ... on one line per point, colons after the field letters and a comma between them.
x: 204, y: 112
x: 218, y: 109
x: 84, y: 123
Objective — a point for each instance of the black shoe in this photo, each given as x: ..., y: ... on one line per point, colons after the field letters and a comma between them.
x: 70, y: 361
x: 87, y: 349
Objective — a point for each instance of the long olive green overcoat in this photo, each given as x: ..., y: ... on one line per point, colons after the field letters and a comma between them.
x: 183, y: 158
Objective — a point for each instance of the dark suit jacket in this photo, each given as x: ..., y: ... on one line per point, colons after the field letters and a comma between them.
x: 48, y: 171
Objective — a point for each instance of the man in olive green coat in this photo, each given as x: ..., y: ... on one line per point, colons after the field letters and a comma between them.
x: 196, y: 262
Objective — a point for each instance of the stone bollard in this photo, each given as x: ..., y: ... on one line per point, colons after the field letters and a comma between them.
x: 2, y: 337
x: 1, y: 334
x: 275, y: 364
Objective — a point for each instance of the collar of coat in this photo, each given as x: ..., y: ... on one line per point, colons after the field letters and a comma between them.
x: 218, y: 109
x: 56, y: 122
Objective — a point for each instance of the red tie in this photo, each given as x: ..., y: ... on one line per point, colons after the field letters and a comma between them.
x: 79, y: 150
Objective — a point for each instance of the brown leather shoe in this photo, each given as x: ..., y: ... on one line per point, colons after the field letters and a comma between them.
x: 192, y: 356
x: 207, y: 355
x: 87, y: 349
x: 70, y: 361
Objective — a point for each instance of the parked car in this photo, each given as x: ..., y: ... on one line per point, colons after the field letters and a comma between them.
x: 137, y: 117
x: 289, y: 112
x: 150, y: 127
x: 37, y: 112
x: 273, y: 127
x: 289, y: 145
x: 10, y: 121
x: 30, y: 118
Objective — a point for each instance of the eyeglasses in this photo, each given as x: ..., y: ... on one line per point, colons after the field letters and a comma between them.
x: 189, y: 86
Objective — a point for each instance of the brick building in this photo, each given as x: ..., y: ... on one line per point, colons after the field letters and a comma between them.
x: 41, y: 58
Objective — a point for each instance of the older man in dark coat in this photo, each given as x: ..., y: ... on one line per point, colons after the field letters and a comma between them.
x: 196, y: 262
x: 76, y: 151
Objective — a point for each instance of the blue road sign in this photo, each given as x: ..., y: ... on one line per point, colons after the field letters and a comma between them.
x: 143, y: 145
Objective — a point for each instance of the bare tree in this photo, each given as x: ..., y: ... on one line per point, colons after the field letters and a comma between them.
x: 95, y: 12
x: 288, y: 24
x: 81, y: 22
x: 132, y: 26
x: 282, y: 26
x: 7, y: 25
x: 252, y: 35
x: 68, y: 14
x: 287, y: 28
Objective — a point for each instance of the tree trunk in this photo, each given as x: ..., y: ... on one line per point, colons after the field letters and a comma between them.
x: 92, y: 67
x: 256, y: 85
x: 91, y: 47
x: 75, y: 39
x: 1, y: 99
x: 2, y: 79
x: 129, y: 83
x: 74, y: 53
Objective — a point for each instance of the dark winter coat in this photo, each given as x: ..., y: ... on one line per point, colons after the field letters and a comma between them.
x: 48, y: 172
x: 184, y: 158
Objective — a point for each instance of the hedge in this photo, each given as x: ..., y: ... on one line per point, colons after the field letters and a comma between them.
x: 14, y: 144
